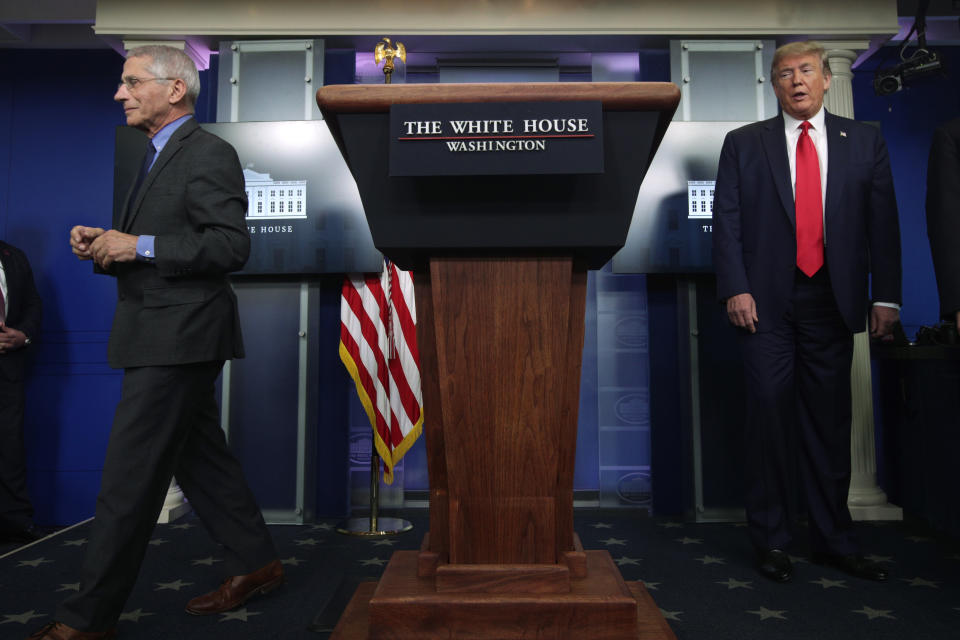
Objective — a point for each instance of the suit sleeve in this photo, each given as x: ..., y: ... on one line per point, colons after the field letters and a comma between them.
x: 943, y: 216
x: 215, y: 241
x: 727, y: 239
x: 884, y: 230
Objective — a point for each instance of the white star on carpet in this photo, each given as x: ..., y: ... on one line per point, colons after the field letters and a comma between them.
x: 322, y: 525
x: 670, y: 525
x: 671, y: 615
x: 386, y: 542
x: 711, y: 560
x: 135, y: 615
x: 622, y: 560
x: 292, y: 560
x: 687, y: 540
x: 601, y: 525
x: 176, y: 585
x: 876, y: 558
x: 71, y: 586
x: 22, y: 618
x: 651, y: 586
x: 826, y: 583
x: 185, y: 525
x: 872, y: 613
x: 733, y: 583
x: 765, y: 613
x: 920, y: 582
x: 239, y: 614
x: 376, y: 561
x: 307, y: 542
x: 74, y: 543
x: 156, y: 542
x: 208, y: 561
x: 612, y: 541
x: 34, y: 563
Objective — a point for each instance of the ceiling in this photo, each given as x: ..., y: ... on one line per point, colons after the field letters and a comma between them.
x: 68, y: 24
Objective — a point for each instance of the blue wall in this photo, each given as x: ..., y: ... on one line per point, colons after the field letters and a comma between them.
x: 57, y: 123
x: 907, y: 119
x: 56, y: 144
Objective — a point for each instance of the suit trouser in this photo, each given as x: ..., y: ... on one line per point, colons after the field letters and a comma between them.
x: 166, y: 424
x: 16, y: 512
x: 798, y: 417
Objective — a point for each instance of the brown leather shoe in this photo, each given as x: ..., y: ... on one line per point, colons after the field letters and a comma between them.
x: 236, y: 590
x: 60, y: 631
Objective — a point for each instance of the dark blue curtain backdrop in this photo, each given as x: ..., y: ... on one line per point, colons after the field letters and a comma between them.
x: 57, y: 123
x: 907, y: 119
x: 57, y: 120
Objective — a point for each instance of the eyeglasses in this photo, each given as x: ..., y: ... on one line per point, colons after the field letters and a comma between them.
x: 132, y: 82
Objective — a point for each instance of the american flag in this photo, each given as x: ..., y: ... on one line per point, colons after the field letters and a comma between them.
x: 378, y: 346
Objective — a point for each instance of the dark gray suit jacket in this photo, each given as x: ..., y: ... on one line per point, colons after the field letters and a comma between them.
x: 943, y: 213
x: 754, y: 231
x: 180, y: 308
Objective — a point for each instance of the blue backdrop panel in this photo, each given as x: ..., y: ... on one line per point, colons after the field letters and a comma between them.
x: 263, y: 393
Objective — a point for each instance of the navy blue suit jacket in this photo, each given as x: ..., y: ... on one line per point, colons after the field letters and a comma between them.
x: 754, y: 237
x: 23, y: 306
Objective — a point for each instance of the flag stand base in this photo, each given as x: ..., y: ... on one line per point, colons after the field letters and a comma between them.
x: 369, y: 528
x: 374, y: 526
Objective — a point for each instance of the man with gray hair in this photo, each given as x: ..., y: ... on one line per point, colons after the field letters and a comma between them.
x: 805, y: 221
x: 179, y: 233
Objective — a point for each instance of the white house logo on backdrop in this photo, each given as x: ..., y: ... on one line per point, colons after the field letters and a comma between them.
x: 271, y: 199
x: 700, y: 201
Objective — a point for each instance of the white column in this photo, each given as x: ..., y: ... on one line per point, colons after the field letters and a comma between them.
x: 175, y: 505
x: 866, y: 499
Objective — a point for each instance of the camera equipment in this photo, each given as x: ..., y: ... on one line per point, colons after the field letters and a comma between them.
x: 922, y: 63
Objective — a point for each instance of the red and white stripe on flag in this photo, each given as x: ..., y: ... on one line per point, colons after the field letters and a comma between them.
x: 378, y: 346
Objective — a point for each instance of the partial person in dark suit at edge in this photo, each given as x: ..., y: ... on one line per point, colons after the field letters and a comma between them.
x: 804, y: 212
x: 20, y: 309
x: 943, y: 216
x: 171, y: 247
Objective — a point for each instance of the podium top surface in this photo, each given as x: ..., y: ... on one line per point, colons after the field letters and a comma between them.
x: 615, y: 96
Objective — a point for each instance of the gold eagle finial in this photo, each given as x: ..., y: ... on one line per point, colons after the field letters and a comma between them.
x: 385, y: 52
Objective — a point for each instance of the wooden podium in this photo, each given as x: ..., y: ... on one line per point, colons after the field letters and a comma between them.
x: 500, y: 268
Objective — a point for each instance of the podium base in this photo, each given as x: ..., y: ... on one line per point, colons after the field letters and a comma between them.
x: 403, y: 606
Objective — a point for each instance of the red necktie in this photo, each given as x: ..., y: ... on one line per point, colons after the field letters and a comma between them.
x: 809, y: 203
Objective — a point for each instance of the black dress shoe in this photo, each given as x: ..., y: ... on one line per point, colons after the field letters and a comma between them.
x: 855, y: 565
x: 775, y: 564
x: 22, y: 536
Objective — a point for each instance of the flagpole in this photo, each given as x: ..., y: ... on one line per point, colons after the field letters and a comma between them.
x: 375, y: 526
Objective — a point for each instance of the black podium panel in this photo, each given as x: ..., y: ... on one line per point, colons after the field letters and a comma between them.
x: 584, y: 215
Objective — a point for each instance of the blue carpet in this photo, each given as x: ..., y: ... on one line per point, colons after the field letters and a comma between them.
x: 701, y: 576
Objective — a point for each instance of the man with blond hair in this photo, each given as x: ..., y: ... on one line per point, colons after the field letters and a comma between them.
x: 180, y: 232
x: 805, y: 220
